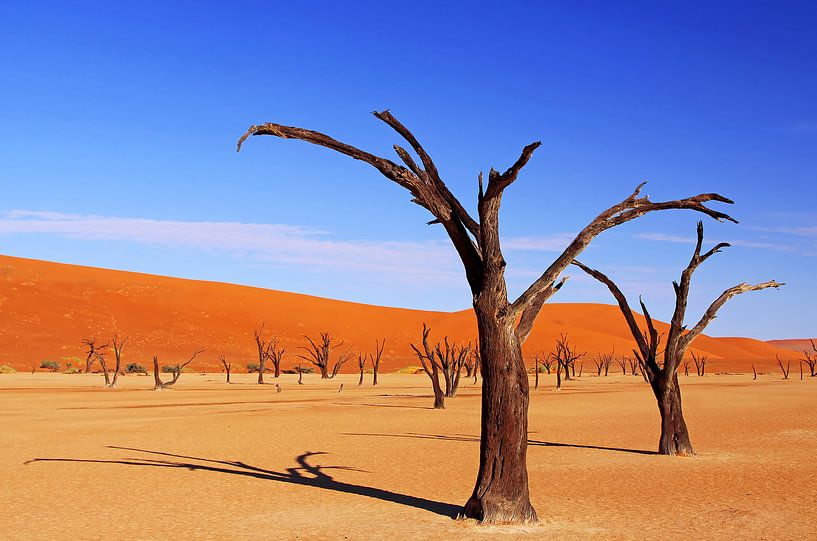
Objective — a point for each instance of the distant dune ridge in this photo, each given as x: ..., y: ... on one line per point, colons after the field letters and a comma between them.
x: 48, y: 308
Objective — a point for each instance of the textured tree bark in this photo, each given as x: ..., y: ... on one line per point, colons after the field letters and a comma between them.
x: 674, y: 434
x: 501, y: 492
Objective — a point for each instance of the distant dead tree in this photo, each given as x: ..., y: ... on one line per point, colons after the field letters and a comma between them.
x: 810, y: 360
x: 474, y: 359
x: 340, y: 389
x: 431, y: 368
x: 632, y: 362
x: 375, y: 359
x: 300, y: 375
x: 664, y: 379
x: 227, y: 366
x: 158, y: 384
x: 319, y: 354
x: 700, y: 363
x: 686, y: 367
x: 361, y: 364
x: 622, y: 362
x: 603, y: 362
x: 276, y: 354
x: 93, y: 350
x: 501, y: 492
x: 754, y: 372
x: 565, y: 356
x: 451, y: 358
x: 783, y: 369
x: 536, y: 362
x: 118, y: 346
x: 263, y: 345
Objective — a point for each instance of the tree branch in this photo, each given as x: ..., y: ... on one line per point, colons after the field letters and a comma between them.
x: 629, y: 209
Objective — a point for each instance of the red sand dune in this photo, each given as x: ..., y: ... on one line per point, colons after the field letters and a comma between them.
x: 795, y: 344
x: 48, y: 308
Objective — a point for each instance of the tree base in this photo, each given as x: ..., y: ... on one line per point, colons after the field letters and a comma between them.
x: 500, y: 511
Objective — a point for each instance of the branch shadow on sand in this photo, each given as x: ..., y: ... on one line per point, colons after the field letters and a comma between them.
x: 305, y: 474
x: 535, y: 443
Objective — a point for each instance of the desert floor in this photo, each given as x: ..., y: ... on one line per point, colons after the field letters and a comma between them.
x: 210, y: 461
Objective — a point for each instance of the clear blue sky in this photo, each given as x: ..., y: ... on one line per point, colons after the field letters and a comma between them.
x: 119, y: 126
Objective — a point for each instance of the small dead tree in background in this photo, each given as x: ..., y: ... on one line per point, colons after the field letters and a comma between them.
x: 300, y: 375
x: 158, y: 384
x: 603, y: 362
x: 451, y: 360
x: 263, y: 345
x: 783, y: 369
x: 93, y: 350
x: 632, y: 362
x: 754, y: 372
x: 319, y: 353
x: 536, y: 362
x: 700, y: 363
x: 431, y: 368
x: 375, y: 359
x: 663, y: 379
x: 622, y: 362
x: 565, y: 356
x: 227, y: 366
x: 275, y: 354
x: 686, y: 367
x: 118, y: 346
x: 810, y: 360
x: 343, y: 359
x: 361, y: 364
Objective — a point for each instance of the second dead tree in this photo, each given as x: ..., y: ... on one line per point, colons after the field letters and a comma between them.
x: 319, y: 354
x: 700, y: 363
x: 375, y: 359
x: 93, y: 349
x: 118, y: 346
x: 565, y: 357
x: 361, y: 365
x: 663, y: 379
x: 785, y: 369
x: 263, y: 346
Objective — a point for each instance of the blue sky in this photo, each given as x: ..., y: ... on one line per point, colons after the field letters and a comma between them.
x: 119, y: 126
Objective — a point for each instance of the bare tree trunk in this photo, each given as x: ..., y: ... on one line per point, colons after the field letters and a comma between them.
x: 754, y: 372
x: 501, y: 491
x: 536, y: 372
x: 674, y: 434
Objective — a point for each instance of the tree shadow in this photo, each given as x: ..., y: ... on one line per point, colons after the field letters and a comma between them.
x: 305, y: 475
x: 538, y: 443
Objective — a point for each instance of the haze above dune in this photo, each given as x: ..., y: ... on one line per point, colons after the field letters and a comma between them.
x: 48, y: 308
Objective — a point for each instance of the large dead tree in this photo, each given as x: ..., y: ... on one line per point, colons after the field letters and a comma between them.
x: 158, y: 384
x: 663, y: 378
x: 431, y: 368
x: 501, y: 490
x: 319, y: 354
x: 118, y: 346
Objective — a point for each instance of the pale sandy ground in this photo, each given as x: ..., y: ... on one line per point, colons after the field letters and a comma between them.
x: 208, y: 461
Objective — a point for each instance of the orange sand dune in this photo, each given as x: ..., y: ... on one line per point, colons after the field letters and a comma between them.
x: 47, y: 308
x: 795, y: 344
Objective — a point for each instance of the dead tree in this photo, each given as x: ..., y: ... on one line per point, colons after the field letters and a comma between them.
x: 664, y: 379
x: 451, y: 358
x: 263, y: 346
x: 565, y: 357
x: 158, y: 384
x: 754, y: 372
x: 810, y: 360
x: 118, y: 346
x: 227, y: 366
x: 700, y: 363
x: 93, y: 350
x: 343, y: 359
x: 276, y: 354
x: 375, y: 359
x: 622, y: 362
x: 319, y: 354
x: 501, y: 490
x: 633, y: 364
x: 536, y: 371
x: 686, y: 367
x: 783, y: 369
x: 300, y: 375
x: 603, y: 362
x: 431, y: 368
x: 361, y: 364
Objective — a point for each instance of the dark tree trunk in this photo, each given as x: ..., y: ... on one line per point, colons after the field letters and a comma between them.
x: 360, y: 381
x: 501, y: 491
x: 674, y: 435
x: 228, y: 375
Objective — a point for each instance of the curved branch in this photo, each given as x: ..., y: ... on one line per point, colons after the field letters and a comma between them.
x: 529, y: 314
x: 629, y: 209
x: 711, y: 312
